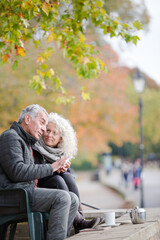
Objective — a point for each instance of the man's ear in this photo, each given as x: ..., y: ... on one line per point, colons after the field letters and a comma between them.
x: 27, y: 119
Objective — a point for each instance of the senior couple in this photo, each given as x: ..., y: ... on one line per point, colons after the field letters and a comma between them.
x: 39, y: 146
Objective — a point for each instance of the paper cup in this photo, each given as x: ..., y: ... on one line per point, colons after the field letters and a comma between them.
x: 109, y: 218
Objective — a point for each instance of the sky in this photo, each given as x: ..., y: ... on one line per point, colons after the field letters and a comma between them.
x: 146, y: 54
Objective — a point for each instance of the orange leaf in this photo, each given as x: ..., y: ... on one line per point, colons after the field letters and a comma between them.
x: 5, y: 57
x: 109, y: 29
x: 20, y: 51
x: 21, y: 15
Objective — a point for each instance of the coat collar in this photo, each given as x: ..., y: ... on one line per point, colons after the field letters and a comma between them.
x: 23, y: 134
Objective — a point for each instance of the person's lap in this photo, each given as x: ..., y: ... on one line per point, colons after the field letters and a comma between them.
x: 62, y: 207
x: 64, y: 181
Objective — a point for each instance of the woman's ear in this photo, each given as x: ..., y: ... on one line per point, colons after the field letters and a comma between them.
x: 60, y: 140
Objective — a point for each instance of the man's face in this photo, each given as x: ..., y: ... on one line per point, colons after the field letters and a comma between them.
x: 37, y: 126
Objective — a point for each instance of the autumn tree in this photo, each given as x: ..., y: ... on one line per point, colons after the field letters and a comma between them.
x: 128, y: 10
x: 110, y: 115
x: 62, y: 23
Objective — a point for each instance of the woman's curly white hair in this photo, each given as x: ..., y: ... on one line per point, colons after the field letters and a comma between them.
x: 69, y: 140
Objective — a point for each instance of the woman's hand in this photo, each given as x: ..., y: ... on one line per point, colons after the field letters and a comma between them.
x: 68, y: 163
x: 64, y: 169
x: 59, y: 164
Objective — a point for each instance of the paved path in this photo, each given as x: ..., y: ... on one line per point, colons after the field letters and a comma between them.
x: 152, y: 188
x: 151, y: 183
x: 95, y: 194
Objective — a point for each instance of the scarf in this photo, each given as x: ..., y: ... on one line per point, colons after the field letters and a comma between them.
x: 49, y: 154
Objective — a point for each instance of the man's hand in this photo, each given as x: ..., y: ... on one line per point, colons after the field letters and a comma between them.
x: 59, y: 164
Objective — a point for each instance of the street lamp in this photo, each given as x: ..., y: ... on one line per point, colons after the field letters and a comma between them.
x: 139, y: 84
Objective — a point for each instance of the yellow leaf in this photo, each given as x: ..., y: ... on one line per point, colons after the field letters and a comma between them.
x: 51, y: 37
x: 82, y: 38
x: 40, y: 59
x: 48, y: 74
x: 20, y: 51
x: 45, y: 8
x: 36, y: 78
x: 42, y: 74
x: 85, y: 96
x: 102, y: 64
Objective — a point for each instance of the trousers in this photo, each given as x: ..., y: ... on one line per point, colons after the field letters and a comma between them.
x: 61, y: 206
x: 64, y: 181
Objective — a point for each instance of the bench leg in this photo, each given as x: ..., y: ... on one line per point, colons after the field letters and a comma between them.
x: 39, y: 226
x: 3, y: 231
x: 36, y: 226
x: 12, y: 231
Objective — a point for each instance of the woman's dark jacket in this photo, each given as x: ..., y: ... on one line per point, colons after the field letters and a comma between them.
x: 17, y: 168
x: 39, y: 159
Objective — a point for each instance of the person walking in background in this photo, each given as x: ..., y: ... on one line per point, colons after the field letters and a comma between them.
x: 58, y: 141
x: 18, y: 170
x: 127, y: 175
x: 137, y: 169
x: 125, y: 171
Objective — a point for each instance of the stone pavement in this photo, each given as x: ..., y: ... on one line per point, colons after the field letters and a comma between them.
x: 151, y: 183
x: 122, y: 198
x: 96, y: 194
x: 115, y: 181
x: 125, y: 230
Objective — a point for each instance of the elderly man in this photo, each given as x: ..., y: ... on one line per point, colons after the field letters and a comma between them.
x: 17, y: 169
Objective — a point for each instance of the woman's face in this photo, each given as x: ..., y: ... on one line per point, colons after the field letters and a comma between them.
x: 52, y: 135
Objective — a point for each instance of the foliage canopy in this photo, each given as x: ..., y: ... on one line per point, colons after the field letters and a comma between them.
x: 63, y: 23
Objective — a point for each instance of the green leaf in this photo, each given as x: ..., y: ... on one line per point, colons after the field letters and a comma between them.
x: 128, y: 37
x: 71, y: 99
x: 1, y: 63
x: 15, y: 65
x: 26, y: 23
x: 36, y: 84
x: 20, y: 20
x: 126, y: 26
x: 135, y: 39
x: 99, y: 3
x: 61, y: 100
x: 36, y: 43
x: 2, y: 44
x: 137, y: 25
x: 44, y: 66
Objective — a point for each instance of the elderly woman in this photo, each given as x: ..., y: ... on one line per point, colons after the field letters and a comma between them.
x: 58, y: 141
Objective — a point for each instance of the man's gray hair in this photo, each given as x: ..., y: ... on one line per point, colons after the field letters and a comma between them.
x: 33, y: 110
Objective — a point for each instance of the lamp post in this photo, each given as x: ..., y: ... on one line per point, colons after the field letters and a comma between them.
x: 139, y: 84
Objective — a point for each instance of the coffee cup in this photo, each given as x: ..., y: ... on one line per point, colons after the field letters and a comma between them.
x: 109, y: 218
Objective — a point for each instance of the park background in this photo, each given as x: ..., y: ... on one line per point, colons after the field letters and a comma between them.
x: 109, y: 121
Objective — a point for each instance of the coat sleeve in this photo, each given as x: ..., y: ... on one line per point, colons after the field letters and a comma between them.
x: 17, y: 162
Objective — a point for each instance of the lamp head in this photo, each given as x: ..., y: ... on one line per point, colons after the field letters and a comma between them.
x: 139, y: 81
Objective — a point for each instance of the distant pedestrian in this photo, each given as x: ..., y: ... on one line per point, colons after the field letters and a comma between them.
x: 125, y: 172
x: 137, y: 169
